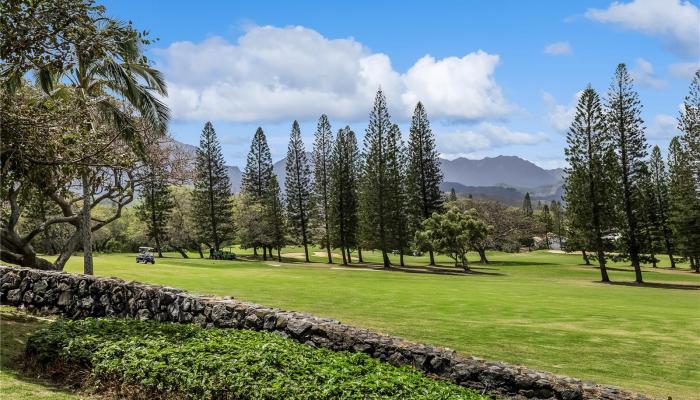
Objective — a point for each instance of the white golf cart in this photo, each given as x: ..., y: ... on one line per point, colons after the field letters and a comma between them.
x: 145, y: 255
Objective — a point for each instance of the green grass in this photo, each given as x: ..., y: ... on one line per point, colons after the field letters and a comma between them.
x: 539, y: 309
x: 15, y: 329
x: 164, y: 360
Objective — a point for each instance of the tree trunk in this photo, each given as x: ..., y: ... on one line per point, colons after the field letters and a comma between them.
x: 86, y: 226
x: 401, y: 258
x: 255, y: 251
x: 482, y: 255
x: 349, y: 259
x: 653, y: 260
x: 585, y: 257
x: 432, y: 257
x: 264, y: 253
x: 345, y: 259
x: 359, y: 254
x: 182, y: 252
x: 465, y: 265
x: 201, y: 254
x: 279, y: 255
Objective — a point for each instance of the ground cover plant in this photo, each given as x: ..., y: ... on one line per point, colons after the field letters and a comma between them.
x: 15, y: 329
x: 542, y: 310
x: 144, y: 359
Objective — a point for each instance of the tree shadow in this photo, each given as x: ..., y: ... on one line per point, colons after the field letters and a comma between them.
x: 519, y: 263
x: 442, y: 270
x: 655, y: 285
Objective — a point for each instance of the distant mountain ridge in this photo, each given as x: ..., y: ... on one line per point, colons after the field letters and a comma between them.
x: 503, y: 178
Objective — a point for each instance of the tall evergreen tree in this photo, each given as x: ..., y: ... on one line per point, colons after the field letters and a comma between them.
x: 648, y: 216
x: 344, y: 202
x: 624, y: 122
x: 322, y: 153
x: 684, y: 207
x: 586, y: 177
x: 689, y: 125
x: 275, y: 218
x: 298, y: 188
x: 547, y: 223
x: 557, y: 219
x: 258, y: 168
x: 374, y: 196
x: 255, y: 181
x: 527, y: 205
x: 659, y: 182
x: 156, y: 206
x: 211, y: 202
x: 453, y: 195
x: 398, y: 219
x: 423, y: 173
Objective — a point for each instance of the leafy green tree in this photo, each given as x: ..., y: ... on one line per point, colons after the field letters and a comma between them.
x: 527, y: 205
x: 648, y: 217
x: 375, y: 195
x: 659, y: 196
x: 181, y: 227
x: 452, y: 233
x: 586, y: 179
x: 298, y: 188
x: 99, y: 63
x: 344, y: 202
x: 624, y: 123
x: 211, y: 197
x: 398, y: 218
x: 156, y: 206
x: 322, y: 153
x: 423, y: 175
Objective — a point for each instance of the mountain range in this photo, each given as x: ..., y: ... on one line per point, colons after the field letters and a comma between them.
x: 503, y: 178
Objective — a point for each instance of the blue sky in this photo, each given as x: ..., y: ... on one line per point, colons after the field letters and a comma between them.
x: 497, y: 77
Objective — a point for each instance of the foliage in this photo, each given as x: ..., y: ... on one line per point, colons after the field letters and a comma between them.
x: 423, y: 175
x: 626, y: 127
x: 344, y: 201
x: 200, y: 363
x: 323, y: 154
x: 298, y: 187
x: 211, y: 204
x: 453, y: 233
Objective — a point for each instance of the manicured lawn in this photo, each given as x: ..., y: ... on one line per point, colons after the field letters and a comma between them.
x: 539, y: 309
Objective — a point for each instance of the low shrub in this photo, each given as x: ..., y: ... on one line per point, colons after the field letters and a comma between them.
x: 164, y: 360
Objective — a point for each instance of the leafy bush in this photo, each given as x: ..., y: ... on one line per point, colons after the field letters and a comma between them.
x: 173, y: 360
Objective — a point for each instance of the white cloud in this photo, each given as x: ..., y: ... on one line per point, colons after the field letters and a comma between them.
x: 274, y: 74
x: 663, y: 127
x: 559, y: 116
x: 483, y: 136
x: 558, y: 48
x: 684, y: 70
x: 675, y: 21
x: 643, y: 74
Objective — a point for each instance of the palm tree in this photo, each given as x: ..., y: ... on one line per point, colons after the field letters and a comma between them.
x: 116, y: 89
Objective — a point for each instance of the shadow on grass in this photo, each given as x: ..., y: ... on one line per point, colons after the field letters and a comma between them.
x: 655, y: 285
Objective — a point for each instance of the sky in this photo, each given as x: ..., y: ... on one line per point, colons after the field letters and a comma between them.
x: 496, y: 77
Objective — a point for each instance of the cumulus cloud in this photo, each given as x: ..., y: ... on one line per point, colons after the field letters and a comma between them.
x: 558, y: 48
x: 559, y: 116
x: 684, y: 70
x: 274, y: 74
x: 483, y: 136
x: 675, y: 21
x: 663, y: 127
x: 643, y: 74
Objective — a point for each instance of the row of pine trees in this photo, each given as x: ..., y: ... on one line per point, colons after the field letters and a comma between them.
x: 374, y: 198
x: 616, y: 193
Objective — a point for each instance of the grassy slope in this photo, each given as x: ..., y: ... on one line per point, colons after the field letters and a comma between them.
x: 15, y: 328
x: 540, y: 309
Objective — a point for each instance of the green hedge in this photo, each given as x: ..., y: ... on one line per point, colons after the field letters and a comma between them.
x: 192, y: 362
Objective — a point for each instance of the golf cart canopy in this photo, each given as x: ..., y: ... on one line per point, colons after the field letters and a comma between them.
x: 145, y: 249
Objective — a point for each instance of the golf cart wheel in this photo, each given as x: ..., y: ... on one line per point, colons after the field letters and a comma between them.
x: 153, y: 261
